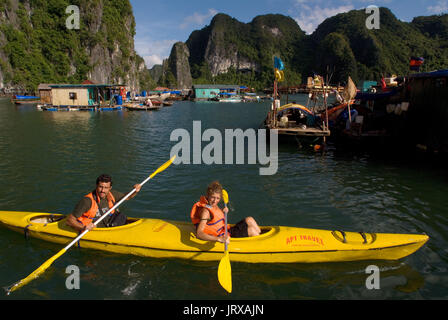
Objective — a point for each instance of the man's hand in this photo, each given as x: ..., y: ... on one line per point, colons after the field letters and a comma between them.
x: 89, y: 227
x: 137, y: 188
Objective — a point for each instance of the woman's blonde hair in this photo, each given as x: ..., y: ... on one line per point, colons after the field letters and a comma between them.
x: 214, y: 187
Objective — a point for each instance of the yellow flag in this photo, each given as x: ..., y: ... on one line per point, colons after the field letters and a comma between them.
x: 279, y: 75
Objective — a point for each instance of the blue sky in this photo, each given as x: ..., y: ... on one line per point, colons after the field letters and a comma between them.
x: 161, y: 23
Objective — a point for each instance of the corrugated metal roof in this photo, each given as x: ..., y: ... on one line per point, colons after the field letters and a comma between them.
x: 85, y: 85
x: 45, y: 86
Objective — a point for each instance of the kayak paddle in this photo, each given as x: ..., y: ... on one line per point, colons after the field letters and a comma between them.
x: 50, y: 261
x: 224, y: 268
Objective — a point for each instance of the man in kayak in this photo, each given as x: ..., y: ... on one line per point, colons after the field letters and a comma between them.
x: 97, y: 203
x: 209, y: 219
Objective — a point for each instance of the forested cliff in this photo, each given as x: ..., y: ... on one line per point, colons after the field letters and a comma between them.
x: 229, y: 51
x: 37, y: 47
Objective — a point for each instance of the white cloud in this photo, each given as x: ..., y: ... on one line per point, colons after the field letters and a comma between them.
x: 440, y: 7
x: 198, y: 19
x: 309, y: 17
x: 153, y: 51
x: 152, y: 60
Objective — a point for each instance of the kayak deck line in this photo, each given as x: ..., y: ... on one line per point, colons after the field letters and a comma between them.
x: 172, y: 239
x: 230, y: 251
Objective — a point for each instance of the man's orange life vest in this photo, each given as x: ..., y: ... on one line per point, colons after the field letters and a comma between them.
x: 215, y: 226
x: 87, y: 217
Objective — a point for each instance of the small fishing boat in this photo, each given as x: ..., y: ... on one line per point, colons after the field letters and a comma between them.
x: 141, y: 107
x: 25, y: 99
x: 234, y: 99
x: 169, y: 239
x: 297, y: 121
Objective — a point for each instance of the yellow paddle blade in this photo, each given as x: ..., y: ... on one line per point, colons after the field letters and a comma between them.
x: 225, y: 196
x: 36, y: 273
x: 163, y: 167
x: 225, y: 273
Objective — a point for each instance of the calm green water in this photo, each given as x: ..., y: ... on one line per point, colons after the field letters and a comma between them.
x: 49, y: 160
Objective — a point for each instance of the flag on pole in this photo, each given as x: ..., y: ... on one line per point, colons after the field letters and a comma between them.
x: 279, y: 67
x: 278, y: 64
x: 416, y: 63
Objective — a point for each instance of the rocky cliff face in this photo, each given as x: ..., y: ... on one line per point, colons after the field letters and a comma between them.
x: 37, y: 47
x: 229, y: 51
x: 232, y: 51
x: 179, y: 66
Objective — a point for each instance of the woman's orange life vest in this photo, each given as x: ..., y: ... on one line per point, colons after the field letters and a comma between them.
x: 87, y: 217
x: 215, y: 226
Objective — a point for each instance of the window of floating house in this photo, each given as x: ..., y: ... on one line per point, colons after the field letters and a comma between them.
x: 73, y: 95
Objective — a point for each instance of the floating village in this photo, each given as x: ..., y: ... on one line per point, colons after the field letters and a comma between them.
x: 354, y: 123
x: 401, y: 111
x: 352, y: 116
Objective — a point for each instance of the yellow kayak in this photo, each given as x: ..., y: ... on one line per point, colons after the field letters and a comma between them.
x: 170, y: 239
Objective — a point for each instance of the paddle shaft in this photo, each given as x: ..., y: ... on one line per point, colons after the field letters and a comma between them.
x: 50, y: 261
x: 225, y: 237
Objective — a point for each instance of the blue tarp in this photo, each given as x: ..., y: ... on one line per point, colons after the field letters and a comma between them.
x: 26, y: 97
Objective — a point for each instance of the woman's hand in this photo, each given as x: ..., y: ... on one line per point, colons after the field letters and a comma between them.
x: 223, y: 239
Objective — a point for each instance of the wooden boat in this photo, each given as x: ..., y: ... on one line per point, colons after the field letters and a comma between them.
x: 297, y: 121
x: 25, y: 99
x: 171, y: 239
x: 141, y: 107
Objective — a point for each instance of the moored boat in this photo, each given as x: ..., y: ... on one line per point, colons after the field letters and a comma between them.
x: 25, y: 99
x: 232, y: 99
x: 169, y: 239
x: 141, y: 107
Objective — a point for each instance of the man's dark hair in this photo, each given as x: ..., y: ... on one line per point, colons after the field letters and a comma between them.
x: 104, y: 178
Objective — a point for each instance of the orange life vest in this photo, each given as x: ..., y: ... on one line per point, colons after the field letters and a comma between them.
x: 123, y: 92
x: 87, y: 217
x: 215, y: 226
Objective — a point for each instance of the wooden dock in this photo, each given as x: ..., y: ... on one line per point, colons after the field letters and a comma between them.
x: 301, y: 132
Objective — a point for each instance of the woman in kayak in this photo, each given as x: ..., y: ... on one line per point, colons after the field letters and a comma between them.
x: 209, y: 219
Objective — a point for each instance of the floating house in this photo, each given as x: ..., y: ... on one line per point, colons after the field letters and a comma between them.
x: 210, y: 91
x: 82, y: 96
x: 408, y: 113
x: 427, y: 94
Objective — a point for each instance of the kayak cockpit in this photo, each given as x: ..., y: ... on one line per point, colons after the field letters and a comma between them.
x: 47, y: 219
x: 54, y: 218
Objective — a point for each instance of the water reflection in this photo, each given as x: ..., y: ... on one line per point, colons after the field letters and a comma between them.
x: 49, y: 160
